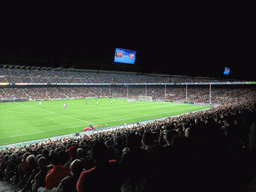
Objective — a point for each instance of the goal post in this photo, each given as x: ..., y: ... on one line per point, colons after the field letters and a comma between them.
x: 145, y: 98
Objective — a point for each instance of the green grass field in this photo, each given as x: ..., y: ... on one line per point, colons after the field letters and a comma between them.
x: 25, y: 121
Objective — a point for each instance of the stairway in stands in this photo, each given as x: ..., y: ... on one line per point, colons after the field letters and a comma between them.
x: 63, y: 92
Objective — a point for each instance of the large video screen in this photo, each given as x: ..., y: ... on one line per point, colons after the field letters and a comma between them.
x: 125, y: 56
x: 226, y: 71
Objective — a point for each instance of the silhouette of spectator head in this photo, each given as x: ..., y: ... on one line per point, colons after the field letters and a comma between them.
x: 24, y: 157
x: 109, y: 143
x: 80, y: 153
x: 187, y: 132
x: 38, y: 157
x: 99, y: 152
x: 64, y: 157
x: 54, y: 158
x: 72, y: 151
x: 134, y: 141
x: 169, y: 135
x: 76, y: 167
x: 6, y: 157
x: 149, y: 138
x: 42, y: 162
x: 31, y: 159
x: 170, y: 127
x: 13, y: 157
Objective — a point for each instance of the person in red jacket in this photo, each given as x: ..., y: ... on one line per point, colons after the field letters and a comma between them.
x: 57, y: 173
x: 106, y: 171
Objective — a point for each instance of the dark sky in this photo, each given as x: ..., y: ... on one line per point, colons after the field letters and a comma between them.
x: 191, y: 52
x: 193, y: 61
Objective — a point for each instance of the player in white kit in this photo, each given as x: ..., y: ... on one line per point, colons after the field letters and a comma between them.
x: 39, y: 103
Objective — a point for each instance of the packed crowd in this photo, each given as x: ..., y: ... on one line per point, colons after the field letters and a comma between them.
x: 195, y: 94
x: 201, y: 151
x: 52, y: 76
x: 54, y: 93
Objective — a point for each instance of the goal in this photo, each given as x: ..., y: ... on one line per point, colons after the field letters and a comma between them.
x: 145, y: 98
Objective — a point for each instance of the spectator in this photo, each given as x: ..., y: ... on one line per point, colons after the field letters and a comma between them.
x: 169, y: 136
x: 150, y: 141
x: 23, y: 170
x: 3, y: 165
x: 138, y: 166
x: 135, y: 161
x: 11, y: 167
x: 39, y: 179
x: 187, y: 132
x: 56, y: 174
x: 80, y: 153
x: 45, y: 153
x: 114, y: 153
x: 68, y: 184
x: 72, y: 151
x: 145, y: 185
x: 30, y: 172
x: 64, y: 157
x: 105, y: 170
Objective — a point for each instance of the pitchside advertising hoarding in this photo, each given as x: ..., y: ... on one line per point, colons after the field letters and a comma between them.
x: 124, y: 56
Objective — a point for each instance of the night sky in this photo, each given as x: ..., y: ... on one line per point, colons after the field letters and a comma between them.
x: 159, y: 51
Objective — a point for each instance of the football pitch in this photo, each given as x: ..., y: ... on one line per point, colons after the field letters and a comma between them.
x: 25, y: 121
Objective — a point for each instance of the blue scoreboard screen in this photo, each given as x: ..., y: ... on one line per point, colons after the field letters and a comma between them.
x: 124, y: 56
x: 226, y: 71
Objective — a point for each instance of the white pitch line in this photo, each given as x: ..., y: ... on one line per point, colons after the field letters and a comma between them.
x: 56, y: 113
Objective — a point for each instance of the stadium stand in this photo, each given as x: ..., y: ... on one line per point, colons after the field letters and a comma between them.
x: 204, y: 151
x: 54, y: 76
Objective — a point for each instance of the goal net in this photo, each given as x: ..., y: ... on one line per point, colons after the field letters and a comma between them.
x: 145, y: 98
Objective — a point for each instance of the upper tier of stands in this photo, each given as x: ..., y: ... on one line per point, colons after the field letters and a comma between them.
x: 10, y: 75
